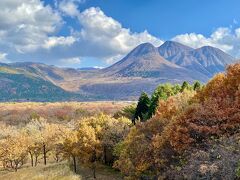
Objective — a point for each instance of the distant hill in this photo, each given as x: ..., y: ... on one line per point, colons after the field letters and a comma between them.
x: 142, y: 69
x: 22, y: 85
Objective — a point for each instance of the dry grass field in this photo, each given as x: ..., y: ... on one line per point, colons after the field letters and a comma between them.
x: 59, y: 171
x: 13, y: 113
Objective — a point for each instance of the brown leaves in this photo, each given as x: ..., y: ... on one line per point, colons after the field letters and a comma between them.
x: 217, y: 112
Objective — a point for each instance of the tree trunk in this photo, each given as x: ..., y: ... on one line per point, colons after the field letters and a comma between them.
x: 134, y: 121
x: 36, y: 160
x: 44, y: 154
x: 105, y: 154
x: 94, y: 170
x: 31, y: 156
x: 74, y: 163
x: 11, y: 164
x: 94, y: 164
x: 16, y: 166
x: 57, y: 158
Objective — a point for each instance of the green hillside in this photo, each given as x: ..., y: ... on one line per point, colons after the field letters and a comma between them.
x: 18, y: 86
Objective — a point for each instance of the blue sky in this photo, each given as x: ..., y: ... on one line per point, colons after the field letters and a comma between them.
x: 83, y: 33
x: 168, y: 18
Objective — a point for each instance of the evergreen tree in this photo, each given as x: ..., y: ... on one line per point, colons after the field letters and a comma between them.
x: 162, y: 92
x: 185, y: 85
x: 196, y: 86
x: 142, y: 107
x: 153, y: 105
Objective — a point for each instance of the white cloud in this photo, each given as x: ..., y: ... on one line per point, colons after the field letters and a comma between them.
x: 71, y: 61
x: 70, y: 7
x: 225, y: 39
x: 104, y: 37
x: 26, y: 24
x: 30, y: 28
x: 3, y: 57
x: 98, y: 67
x: 237, y: 31
x: 58, y: 41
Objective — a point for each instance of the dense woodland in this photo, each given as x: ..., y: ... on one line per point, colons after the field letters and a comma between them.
x: 159, y: 137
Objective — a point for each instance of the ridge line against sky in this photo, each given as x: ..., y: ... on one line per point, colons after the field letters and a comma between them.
x: 84, y: 33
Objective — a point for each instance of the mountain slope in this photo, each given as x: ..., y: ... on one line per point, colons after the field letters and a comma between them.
x: 146, y: 62
x: 170, y: 49
x: 16, y: 85
x: 206, y: 60
x: 47, y: 72
x: 213, y: 59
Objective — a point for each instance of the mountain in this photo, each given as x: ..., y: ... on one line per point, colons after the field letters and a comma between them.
x: 213, y: 59
x: 24, y: 84
x: 170, y: 49
x: 47, y: 72
x: 206, y: 60
x: 146, y: 62
x: 144, y: 68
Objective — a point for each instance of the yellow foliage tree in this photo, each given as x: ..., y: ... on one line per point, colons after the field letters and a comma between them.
x: 13, y: 151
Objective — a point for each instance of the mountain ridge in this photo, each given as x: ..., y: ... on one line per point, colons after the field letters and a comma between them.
x: 142, y: 69
x: 206, y: 60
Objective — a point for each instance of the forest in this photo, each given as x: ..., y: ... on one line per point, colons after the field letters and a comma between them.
x: 187, y: 131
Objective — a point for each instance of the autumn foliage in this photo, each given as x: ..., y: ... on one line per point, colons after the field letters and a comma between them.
x: 147, y: 149
x: 86, y: 141
x: 214, y: 112
x: 182, y: 122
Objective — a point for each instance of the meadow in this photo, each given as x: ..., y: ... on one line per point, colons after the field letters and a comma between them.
x: 17, y: 113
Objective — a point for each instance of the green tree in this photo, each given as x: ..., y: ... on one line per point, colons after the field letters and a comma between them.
x: 176, y: 89
x: 163, y: 91
x: 196, y: 86
x: 153, y: 105
x: 185, y: 85
x: 142, y: 107
x: 127, y: 112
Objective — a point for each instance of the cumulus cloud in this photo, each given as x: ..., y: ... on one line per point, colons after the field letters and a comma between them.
x: 26, y: 24
x: 30, y: 28
x: 107, y: 37
x: 58, y: 41
x: 70, y: 7
x: 226, y: 39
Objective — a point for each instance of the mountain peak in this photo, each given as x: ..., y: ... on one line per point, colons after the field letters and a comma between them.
x: 173, y: 44
x: 213, y: 50
x: 208, y: 48
x: 143, y: 49
x: 172, y: 48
